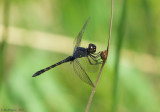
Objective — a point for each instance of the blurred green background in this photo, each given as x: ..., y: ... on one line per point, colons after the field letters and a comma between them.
x: 38, y: 33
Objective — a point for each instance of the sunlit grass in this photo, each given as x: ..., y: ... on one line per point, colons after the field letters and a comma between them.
x: 38, y: 28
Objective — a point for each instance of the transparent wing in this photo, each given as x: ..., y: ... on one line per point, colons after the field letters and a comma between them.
x: 77, y: 41
x: 91, y: 66
x: 93, y: 62
x: 81, y: 73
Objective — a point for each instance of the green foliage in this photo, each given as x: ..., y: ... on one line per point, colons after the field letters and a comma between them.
x: 59, y: 90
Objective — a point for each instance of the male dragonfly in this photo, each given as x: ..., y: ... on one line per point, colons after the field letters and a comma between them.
x: 79, y: 52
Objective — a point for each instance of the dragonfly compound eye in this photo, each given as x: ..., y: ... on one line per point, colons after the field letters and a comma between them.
x: 92, y: 48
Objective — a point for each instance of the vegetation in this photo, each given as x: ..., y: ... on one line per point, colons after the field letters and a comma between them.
x: 37, y: 33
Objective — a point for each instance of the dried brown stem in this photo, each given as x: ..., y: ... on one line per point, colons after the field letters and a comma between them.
x: 104, y: 56
x: 94, y: 89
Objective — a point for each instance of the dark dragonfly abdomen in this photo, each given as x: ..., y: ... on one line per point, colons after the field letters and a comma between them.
x: 70, y: 58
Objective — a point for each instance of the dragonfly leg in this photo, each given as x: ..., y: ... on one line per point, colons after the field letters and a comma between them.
x: 93, y: 63
x: 97, y: 54
x: 93, y: 57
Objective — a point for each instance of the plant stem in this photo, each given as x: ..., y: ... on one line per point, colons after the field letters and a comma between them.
x: 118, y: 49
x: 4, y: 37
x: 94, y: 89
x: 104, y: 56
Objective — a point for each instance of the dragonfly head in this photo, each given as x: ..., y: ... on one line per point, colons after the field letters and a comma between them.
x: 92, y: 48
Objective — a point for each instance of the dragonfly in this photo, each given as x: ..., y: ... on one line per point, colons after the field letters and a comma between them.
x: 78, y: 53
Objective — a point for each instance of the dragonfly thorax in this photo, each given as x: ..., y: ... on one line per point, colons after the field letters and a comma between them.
x: 91, y: 48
